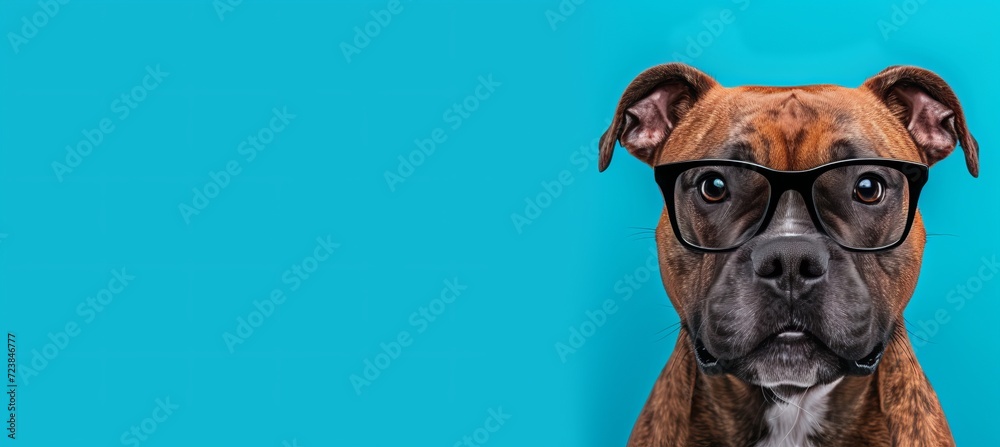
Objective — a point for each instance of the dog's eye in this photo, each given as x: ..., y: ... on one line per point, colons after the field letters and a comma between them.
x: 869, y: 189
x: 713, y: 188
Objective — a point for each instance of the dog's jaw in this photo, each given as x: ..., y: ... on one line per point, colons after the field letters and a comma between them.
x: 793, y: 420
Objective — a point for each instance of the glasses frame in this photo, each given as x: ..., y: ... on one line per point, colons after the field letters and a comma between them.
x: 782, y: 181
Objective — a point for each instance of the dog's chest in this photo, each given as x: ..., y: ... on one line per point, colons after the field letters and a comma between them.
x: 791, y: 423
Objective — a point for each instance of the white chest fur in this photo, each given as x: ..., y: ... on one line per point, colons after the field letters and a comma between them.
x: 791, y: 423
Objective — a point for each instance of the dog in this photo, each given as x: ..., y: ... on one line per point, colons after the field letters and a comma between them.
x: 789, y: 245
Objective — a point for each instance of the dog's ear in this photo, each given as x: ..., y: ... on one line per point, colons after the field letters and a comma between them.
x: 650, y: 108
x: 929, y: 110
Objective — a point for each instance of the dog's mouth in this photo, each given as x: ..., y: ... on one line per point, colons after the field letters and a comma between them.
x: 705, y: 359
x: 792, y: 343
x: 867, y: 365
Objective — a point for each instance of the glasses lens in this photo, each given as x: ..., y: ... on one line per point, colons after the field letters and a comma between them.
x: 863, y: 206
x: 719, y: 207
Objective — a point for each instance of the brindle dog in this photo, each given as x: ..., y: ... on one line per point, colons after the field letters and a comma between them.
x: 791, y: 301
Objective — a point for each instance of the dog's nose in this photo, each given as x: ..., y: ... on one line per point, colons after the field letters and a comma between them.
x: 786, y: 260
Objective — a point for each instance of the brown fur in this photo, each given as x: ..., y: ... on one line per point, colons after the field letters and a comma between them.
x: 790, y: 128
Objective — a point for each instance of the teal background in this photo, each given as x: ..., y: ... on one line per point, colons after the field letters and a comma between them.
x: 324, y: 175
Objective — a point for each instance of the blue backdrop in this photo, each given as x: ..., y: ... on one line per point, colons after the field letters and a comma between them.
x: 372, y: 223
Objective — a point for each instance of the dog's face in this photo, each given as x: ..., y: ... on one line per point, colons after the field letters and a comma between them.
x: 789, y: 307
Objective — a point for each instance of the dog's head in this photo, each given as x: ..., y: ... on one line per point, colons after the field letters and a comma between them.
x: 789, y: 279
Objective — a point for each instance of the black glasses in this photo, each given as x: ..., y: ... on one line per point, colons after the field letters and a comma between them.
x: 862, y: 204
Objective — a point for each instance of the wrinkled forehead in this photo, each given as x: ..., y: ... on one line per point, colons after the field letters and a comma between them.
x: 789, y: 128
